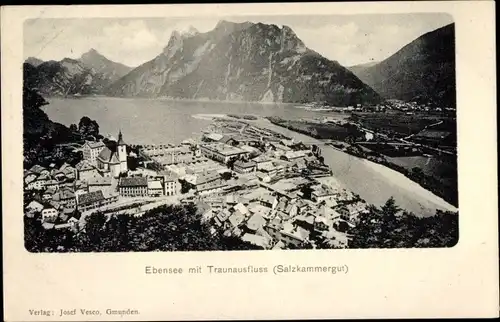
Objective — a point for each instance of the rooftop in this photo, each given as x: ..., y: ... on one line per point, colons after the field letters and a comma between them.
x: 99, y: 181
x: 84, y: 165
x: 108, y: 156
x: 224, y: 149
x: 133, y: 182
x: 90, y: 197
x: 154, y: 184
x: 256, y: 240
x: 244, y: 164
x: 95, y: 145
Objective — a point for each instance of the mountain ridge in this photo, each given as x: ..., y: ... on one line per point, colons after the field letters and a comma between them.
x: 422, y: 70
x: 247, y: 62
x: 87, y: 75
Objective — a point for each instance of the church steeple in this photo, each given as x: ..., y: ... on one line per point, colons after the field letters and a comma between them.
x: 120, y: 139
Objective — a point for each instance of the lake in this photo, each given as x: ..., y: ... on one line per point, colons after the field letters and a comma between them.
x: 147, y: 121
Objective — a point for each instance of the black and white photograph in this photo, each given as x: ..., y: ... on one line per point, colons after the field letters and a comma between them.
x: 271, y: 132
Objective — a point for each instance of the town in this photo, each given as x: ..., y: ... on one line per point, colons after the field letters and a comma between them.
x: 248, y: 182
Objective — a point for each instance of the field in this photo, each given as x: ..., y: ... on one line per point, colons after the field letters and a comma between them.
x: 401, y: 124
x: 391, y: 150
x: 320, y: 130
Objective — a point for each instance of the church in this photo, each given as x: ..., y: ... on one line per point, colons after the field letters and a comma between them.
x: 113, y: 157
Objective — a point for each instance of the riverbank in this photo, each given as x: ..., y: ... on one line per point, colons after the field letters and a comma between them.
x: 374, y: 183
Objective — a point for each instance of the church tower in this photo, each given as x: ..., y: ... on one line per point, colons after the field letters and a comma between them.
x: 122, y: 153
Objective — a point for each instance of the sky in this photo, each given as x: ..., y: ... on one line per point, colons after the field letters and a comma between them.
x: 348, y: 39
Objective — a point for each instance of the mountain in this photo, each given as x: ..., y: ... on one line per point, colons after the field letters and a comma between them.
x: 99, y: 64
x: 243, y: 62
x: 62, y: 78
x: 360, y: 67
x: 88, y: 75
x: 422, y: 71
x: 34, y: 61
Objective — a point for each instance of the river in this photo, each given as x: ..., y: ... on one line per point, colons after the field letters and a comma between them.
x: 147, y: 121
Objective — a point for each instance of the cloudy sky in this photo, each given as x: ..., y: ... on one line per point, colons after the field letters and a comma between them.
x: 350, y: 40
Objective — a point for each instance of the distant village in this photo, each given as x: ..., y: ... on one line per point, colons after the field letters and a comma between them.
x: 245, y: 181
x: 409, y: 107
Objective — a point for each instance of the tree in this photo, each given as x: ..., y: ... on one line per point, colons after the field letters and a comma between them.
x: 379, y: 229
x: 88, y: 127
x: 306, y: 191
x: 390, y: 208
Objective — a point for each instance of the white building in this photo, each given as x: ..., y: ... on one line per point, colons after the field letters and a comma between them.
x: 91, y: 151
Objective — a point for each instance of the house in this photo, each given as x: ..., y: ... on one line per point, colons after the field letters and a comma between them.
x: 47, y: 194
x: 171, y: 184
x: 155, y: 188
x: 294, y: 237
x: 268, y: 200
x: 99, y: 183
x: 54, y: 184
x: 91, y: 151
x: 305, y: 221
x: 65, y: 172
x: 34, y: 207
x: 94, y: 200
x: 39, y: 182
x: 321, y: 223
x: 209, y: 182
x: 293, y: 155
x: 321, y: 193
x: 65, y: 197
x: 133, y: 187
x: 49, y: 213
x: 39, y: 170
x: 236, y: 219
x: 256, y: 240
x: 220, y: 218
x: 29, y: 177
x: 254, y: 223
x: 244, y: 166
x: 213, y: 137
x: 221, y: 152
x: 273, y: 228
x: 262, y: 161
x: 85, y: 171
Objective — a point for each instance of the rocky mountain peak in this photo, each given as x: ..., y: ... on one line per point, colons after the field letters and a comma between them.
x: 175, y: 43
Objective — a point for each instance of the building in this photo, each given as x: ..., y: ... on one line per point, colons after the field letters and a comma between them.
x: 172, y: 186
x: 221, y: 152
x: 49, y: 214
x: 39, y: 170
x: 38, y: 183
x: 29, y: 177
x: 91, y: 151
x: 209, y: 182
x: 262, y: 162
x: 133, y: 187
x: 34, y: 207
x: 244, y: 166
x: 94, y: 200
x: 113, y: 158
x: 85, y: 171
x: 321, y: 193
x: 65, y: 197
x: 155, y: 188
x: 293, y: 155
x: 99, y: 183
